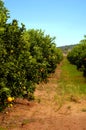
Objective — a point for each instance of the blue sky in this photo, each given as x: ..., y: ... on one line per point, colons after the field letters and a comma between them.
x: 64, y: 19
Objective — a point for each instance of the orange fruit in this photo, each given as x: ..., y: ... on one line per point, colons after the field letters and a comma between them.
x: 24, y: 87
x: 13, y: 98
x: 11, y: 51
x: 9, y: 99
x: 11, y: 105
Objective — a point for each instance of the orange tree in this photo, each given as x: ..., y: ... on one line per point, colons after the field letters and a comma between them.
x: 4, y: 14
x: 16, y: 62
x: 44, y: 50
x: 77, y: 56
x: 27, y: 57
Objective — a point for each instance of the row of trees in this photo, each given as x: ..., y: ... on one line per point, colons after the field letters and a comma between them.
x: 77, y: 56
x: 27, y: 57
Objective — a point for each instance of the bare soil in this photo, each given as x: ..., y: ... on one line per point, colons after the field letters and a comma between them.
x: 45, y: 113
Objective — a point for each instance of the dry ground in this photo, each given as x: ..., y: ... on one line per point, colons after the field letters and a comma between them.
x: 46, y: 112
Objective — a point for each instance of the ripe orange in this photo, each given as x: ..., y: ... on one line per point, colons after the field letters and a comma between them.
x: 9, y: 99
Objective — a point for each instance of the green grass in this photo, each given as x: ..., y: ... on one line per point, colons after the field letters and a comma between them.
x: 71, y: 82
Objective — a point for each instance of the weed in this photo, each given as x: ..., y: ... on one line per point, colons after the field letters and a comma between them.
x: 38, y: 100
x: 71, y: 81
x: 83, y: 110
x: 68, y: 107
x: 26, y: 121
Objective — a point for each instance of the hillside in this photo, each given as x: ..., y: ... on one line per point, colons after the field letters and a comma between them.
x: 66, y: 48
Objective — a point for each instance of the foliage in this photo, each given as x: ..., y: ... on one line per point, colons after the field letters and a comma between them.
x: 27, y: 57
x: 4, y: 15
x: 44, y: 50
x: 77, y: 56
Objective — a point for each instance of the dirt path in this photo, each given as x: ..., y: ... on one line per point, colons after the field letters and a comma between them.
x: 46, y: 112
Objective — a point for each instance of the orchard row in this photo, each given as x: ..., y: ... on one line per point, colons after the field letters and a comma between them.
x: 77, y: 56
x: 27, y: 57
